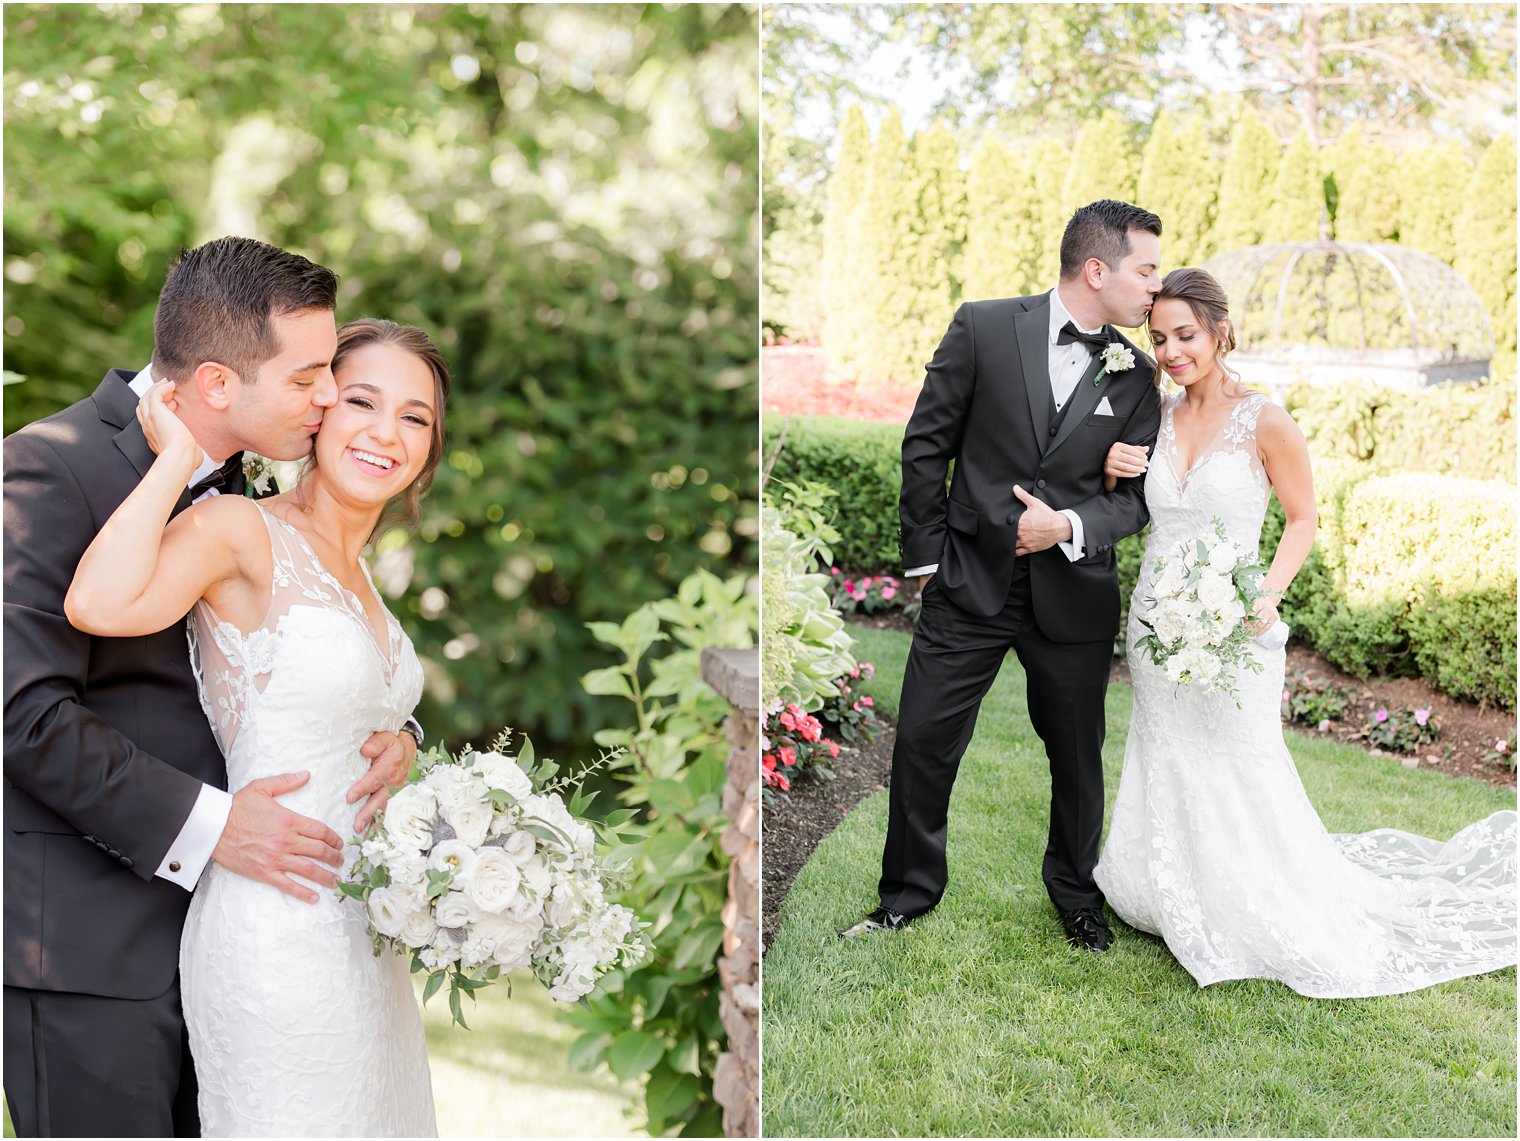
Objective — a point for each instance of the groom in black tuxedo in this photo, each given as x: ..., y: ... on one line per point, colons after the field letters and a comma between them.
x: 1026, y: 395
x: 114, y: 785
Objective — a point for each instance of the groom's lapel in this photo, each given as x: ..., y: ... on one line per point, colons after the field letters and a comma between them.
x: 1031, y: 330
x: 1084, y: 398
x: 117, y: 405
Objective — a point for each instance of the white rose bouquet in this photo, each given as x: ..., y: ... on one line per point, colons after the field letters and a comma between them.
x: 477, y: 867
x: 1203, y: 592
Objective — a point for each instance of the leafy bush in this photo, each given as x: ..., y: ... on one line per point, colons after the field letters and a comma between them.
x: 1464, y: 430
x: 1402, y: 729
x: 661, y: 1019
x: 1313, y: 700
x: 804, y: 645
x: 862, y: 462
x: 797, y: 742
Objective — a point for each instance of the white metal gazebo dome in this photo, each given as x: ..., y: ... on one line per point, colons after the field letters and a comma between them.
x: 1323, y: 312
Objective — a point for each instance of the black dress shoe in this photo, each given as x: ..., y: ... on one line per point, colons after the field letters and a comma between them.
x: 882, y: 919
x: 1085, y: 928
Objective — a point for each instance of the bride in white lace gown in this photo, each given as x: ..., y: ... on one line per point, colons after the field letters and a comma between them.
x: 296, y: 1027
x: 1214, y: 845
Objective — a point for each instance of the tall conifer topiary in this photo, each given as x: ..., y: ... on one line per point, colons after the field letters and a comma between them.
x: 1179, y: 183
x: 1433, y: 184
x: 929, y: 264
x: 841, y: 268
x: 1298, y: 195
x: 1486, y: 247
x: 1245, y: 185
x: 1366, y: 188
x: 1103, y: 164
x: 879, y: 299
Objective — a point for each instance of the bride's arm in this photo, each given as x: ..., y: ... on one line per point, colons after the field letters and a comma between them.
x: 138, y: 577
x: 1285, y: 456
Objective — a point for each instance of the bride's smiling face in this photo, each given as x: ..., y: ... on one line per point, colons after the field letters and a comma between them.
x: 1182, y: 343
x: 375, y: 440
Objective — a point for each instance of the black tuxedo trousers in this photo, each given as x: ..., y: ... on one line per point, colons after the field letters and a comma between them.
x: 953, y: 662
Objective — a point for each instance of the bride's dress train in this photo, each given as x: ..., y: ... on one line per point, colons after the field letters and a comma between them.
x: 297, y: 1029
x: 1214, y: 845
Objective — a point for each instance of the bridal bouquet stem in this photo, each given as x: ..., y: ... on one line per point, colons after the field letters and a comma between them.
x: 1203, y: 591
x: 477, y: 867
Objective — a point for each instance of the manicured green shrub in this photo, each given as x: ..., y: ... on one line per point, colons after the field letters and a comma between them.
x: 1451, y: 430
x: 862, y: 462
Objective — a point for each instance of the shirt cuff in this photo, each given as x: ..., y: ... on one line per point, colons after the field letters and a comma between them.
x: 914, y: 572
x: 1073, y: 548
x: 191, y: 851
x: 415, y: 727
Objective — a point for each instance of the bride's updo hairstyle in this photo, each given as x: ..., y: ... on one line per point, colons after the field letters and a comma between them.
x: 1211, y: 308
x: 364, y: 331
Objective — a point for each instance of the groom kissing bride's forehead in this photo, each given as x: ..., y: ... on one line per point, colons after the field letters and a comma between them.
x: 1026, y: 395
x: 115, y: 798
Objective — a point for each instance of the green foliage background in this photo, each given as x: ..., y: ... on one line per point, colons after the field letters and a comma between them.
x: 919, y: 242
x: 565, y: 197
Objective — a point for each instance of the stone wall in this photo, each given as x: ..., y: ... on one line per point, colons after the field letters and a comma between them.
x: 736, y: 1080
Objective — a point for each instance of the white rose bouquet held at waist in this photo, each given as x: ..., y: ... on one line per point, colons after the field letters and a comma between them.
x: 1202, y: 592
x: 477, y: 867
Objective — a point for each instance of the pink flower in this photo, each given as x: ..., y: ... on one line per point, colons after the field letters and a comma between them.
x: 1502, y: 746
x: 1421, y: 716
x: 1285, y: 695
x: 833, y: 749
x: 1380, y: 716
x: 855, y: 672
x: 859, y: 595
x: 788, y: 721
x: 1324, y: 725
x: 788, y: 756
x: 834, y: 570
x: 811, y: 728
x: 867, y: 701
x: 888, y: 593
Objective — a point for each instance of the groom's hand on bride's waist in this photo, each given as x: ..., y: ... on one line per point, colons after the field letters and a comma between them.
x: 1040, y: 526
x: 266, y: 841
x: 390, y: 756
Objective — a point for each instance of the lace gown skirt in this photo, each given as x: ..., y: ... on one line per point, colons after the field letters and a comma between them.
x: 1215, y: 847
x: 297, y: 1028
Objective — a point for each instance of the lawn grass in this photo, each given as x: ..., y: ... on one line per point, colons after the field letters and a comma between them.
x: 509, y: 1074
x: 979, y: 1020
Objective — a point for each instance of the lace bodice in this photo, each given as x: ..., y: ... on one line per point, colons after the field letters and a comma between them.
x: 296, y: 1027
x: 1182, y: 506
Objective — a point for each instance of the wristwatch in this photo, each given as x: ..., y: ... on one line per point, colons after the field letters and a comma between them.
x: 411, y: 730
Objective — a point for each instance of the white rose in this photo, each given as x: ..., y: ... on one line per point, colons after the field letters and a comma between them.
x: 519, y: 846
x: 386, y: 912
x: 549, y: 809
x: 1174, y: 667
x: 1171, y: 580
x: 504, y: 773
x: 1168, y: 627
x: 495, y: 881
x: 564, y: 909
x: 420, y: 929
x: 452, y: 856
x: 408, y: 870
x: 455, y: 910
x: 568, y: 989
x: 1214, y: 591
x: 475, y: 950
x: 470, y: 819
x: 1223, y: 555
x: 537, y: 880
x: 515, y: 942
x: 409, y: 817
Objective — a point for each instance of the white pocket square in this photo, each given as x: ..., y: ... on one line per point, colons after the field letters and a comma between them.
x: 1104, y: 408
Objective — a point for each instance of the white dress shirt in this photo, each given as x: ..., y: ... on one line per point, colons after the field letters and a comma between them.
x: 1067, y: 364
x: 191, y: 851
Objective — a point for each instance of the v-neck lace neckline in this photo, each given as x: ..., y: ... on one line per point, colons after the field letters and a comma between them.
x: 356, y: 607
x: 1209, y: 450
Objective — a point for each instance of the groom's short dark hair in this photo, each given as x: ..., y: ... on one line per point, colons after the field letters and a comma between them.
x: 1101, y: 230
x: 218, y: 299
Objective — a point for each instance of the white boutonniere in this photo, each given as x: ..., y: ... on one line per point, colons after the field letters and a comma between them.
x: 258, y: 472
x: 1116, y: 358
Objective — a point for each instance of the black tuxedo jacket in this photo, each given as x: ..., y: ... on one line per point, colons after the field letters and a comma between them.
x: 106, y: 747
x: 986, y: 404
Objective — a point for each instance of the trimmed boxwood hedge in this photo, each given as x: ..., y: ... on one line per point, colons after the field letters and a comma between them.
x: 1410, y: 573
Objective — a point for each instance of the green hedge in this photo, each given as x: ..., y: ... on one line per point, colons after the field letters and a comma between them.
x: 1410, y: 574
x: 859, y: 459
x: 1451, y: 430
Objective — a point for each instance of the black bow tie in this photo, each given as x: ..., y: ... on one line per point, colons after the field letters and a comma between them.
x: 227, y: 478
x: 1069, y: 333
